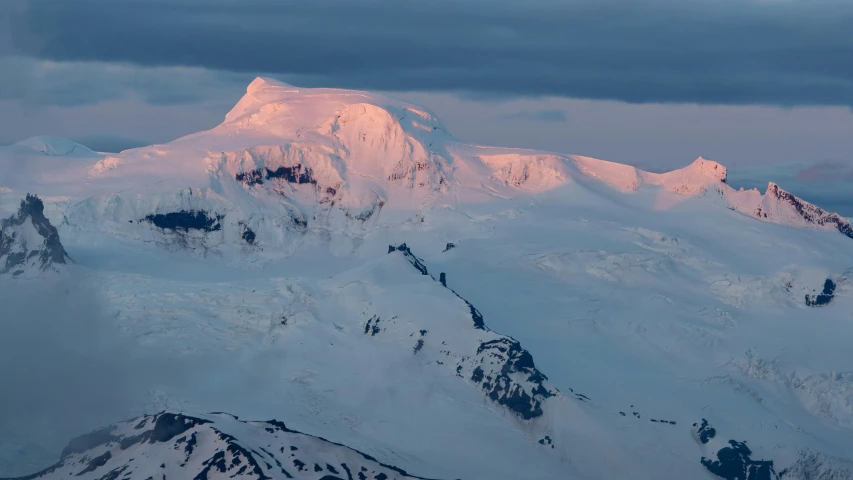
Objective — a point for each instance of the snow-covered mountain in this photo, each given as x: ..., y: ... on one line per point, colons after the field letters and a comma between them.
x: 54, y: 147
x: 322, y: 163
x: 457, y: 310
x: 29, y: 244
x: 213, y: 446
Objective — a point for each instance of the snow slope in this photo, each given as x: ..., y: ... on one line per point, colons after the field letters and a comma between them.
x: 173, y: 445
x: 392, y: 287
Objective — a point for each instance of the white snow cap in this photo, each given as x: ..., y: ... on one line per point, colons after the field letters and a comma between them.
x: 56, y: 146
x: 259, y: 83
x: 709, y: 168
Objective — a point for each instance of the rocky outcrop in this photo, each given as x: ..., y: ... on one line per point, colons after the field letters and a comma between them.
x: 295, y: 174
x: 516, y: 383
x: 500, y: 366
x: 186, y: 220
x: 777, y: 203
x: 823, y: 298
x: 29, y: 244
x: 704, y: 431
x: 733, y: 461
x: 206, y: 447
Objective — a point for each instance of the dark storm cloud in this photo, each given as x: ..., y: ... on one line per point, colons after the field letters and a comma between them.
x: 726, y: 51
x: 545, y: 115
x: 74, y: 84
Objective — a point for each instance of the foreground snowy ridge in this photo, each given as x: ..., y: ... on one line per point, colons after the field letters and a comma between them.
x: 210, y: 447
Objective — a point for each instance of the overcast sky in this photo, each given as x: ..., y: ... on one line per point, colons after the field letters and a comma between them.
x: 764, y: 87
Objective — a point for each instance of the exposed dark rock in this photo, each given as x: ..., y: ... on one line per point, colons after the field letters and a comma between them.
x: 173, y: 431
x: 248, y: 235
x: 372, y: 326
x: 299, y: 221
x: 443, y: 279
x: 170, y: 425
x: 217, y: 461
x: 252, y: 177
x: 824, y: 297
x: 504, y: 389
x: 734, y: 463
x: 809, y: 212
x: 365, y: 215
x: 166, y: 427
x: 479, y: 323
x: 668, y: 422
x: 476, y: 316
x: 86, y: 442
x: 513, y: 361
x: 448, y: 247
x: 295, y: 174
x: 96, y: 463
x: 705, y: 431
x: 186, y: 220
x: 115, y: 473
x: 191, y: 443
x: 15, y: 253
x: 415, y: 261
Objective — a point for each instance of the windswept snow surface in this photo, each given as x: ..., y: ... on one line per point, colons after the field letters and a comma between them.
x: 549, y: 316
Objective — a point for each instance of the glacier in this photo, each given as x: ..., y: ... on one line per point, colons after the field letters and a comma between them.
x: 343, y: 263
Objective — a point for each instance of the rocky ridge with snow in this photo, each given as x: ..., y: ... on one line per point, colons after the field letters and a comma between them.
x: 29, y: 244
x: 209, y: 447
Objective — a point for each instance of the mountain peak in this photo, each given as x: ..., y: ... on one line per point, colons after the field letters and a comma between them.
x: 260, y: 83
x: 774, y: 189
x: 56, y: 146
x: 28, y: 242
x: 785, y: 207
x: 161, y: 441
x: 709, y: 168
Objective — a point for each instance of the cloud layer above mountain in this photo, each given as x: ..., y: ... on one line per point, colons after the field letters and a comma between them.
x: 722, y: 52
